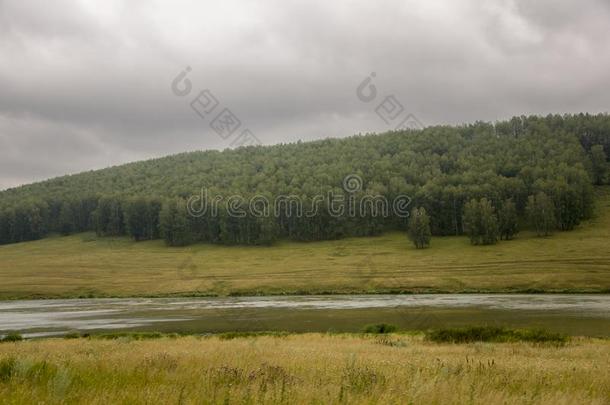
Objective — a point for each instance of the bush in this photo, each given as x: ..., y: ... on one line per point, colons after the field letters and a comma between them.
x: 130, y: 335
x: 540, y: 335
x: 493, y: 334
x: 12, y: 337
x: 380, y: 328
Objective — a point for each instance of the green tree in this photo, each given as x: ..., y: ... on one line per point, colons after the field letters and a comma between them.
x: 568, y: 206
x: 419, y: 228
x: 5, y: 226
x: 66, y: 219
x: 174, y: 223
x: 137, y: 218
x: 108, y: 217
x: 480, y: 222
x: 600, y: 165
x: 471, y: 221
x: 507, y: 220
x: 541, y: 213
x: 489, y: 222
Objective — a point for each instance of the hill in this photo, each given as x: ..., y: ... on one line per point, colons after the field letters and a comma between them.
x: 287, y: 191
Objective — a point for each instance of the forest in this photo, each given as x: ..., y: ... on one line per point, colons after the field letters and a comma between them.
x: 528, y: 172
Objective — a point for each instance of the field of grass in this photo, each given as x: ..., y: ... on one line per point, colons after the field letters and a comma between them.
x: 295, y: 369
x: 86, y: 266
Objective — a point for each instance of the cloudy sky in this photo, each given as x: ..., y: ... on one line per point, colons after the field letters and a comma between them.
x: 88, y: 84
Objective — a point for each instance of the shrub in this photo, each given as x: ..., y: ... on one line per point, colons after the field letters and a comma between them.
x: 493, y: 334
x: 130, y: 335
x: 380, y: 328
x: 12, y: 337
x: 541, y: 336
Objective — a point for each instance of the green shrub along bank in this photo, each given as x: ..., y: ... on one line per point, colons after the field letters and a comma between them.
x: 479, y: 179
x: 11, y: 337
x: 493, y: 334
x: 380, y: 328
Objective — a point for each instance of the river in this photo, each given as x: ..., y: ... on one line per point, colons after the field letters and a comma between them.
x: 572, y: 314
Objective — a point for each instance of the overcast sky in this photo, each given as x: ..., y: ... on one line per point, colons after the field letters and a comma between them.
x: 88, y: 84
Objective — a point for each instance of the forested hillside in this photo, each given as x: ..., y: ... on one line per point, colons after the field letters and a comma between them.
x: 439, y: 168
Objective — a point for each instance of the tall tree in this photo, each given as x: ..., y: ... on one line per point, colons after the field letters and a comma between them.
x: 507, y: 219
x: 489, y: 222
x: 66, y: 219
x: 480, y: 222
x: 541, y: 213
x: 471, y: 221
x: 6, y: 219
x: 174, y: 223
x: 137, y: 218
x: 419, y: 228
x: 600, y: 164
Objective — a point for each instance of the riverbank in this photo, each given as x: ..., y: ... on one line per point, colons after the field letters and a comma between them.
x: 575, y: 315
x: 308, y: 368
x: 84, y: 265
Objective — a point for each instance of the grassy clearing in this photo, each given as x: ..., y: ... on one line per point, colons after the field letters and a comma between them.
x: 86, y: 266
x: 309, y: 368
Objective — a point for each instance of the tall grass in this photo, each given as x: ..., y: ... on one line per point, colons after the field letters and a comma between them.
x: 302, y: 369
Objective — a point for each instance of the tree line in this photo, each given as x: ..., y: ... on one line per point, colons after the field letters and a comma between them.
x: 478, y: 179
x: 485, y: 225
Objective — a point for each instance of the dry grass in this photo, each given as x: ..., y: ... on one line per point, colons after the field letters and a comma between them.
x: 295, y: 369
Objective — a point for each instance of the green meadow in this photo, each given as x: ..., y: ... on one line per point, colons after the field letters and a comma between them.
x: 84, y: 265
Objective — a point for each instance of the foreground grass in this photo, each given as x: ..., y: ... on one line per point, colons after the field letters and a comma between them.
x: 86, y: 266
x: 307, y: 368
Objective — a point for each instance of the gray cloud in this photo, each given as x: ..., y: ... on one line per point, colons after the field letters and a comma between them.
x: 87, y: 84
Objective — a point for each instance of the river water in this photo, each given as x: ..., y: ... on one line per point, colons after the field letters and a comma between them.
x: 572, y: 314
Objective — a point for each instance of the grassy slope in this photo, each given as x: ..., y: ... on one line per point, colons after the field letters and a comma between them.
x: 303, y: 369
x: 83, y: 265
